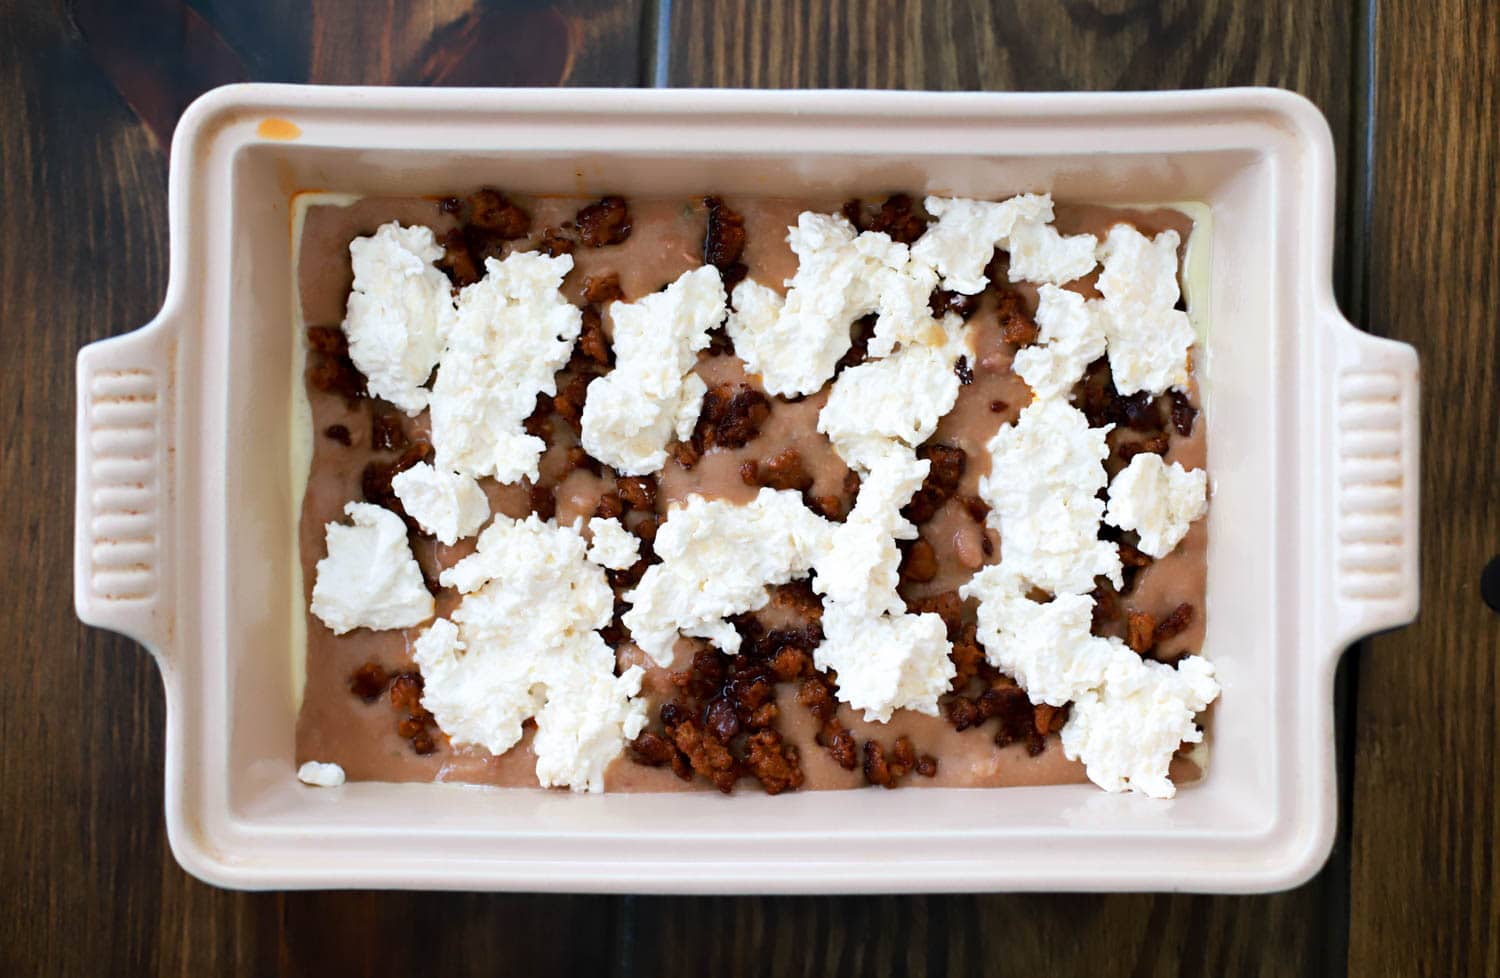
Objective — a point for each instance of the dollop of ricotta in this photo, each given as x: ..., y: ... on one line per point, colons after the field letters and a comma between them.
x: 1158, y: 501
x: 369, y: 578
x: 633, y: 411
x: 321, y: 775
x: 1071, y: 338
x: 514, y: 331
x: 967, y: 232
x: 447, y: 505
x: 1046, y: 470
x: 611, y: 545
x: 524, y: 642
x: 1149, y: 337
x: 400, y: 312
x: 1127, y: 729
x: 717, y: 559
x: 888, y: 662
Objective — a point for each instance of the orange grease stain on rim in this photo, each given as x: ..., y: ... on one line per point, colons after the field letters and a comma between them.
x: 274, y: 128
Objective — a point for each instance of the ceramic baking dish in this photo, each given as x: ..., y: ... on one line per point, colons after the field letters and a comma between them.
x: 186, y: 501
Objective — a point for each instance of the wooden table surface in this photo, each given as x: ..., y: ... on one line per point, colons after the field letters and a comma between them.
x: 89, y: 94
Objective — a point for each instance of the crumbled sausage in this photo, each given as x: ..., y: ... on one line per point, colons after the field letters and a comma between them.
x: 493, y: 212
x: 859, y: 342
x: 451, y: 206
x: 329, y: 340
x: 684, y: 453
x: 724, y: 238
x: 554, y: 242
x: 537, y: 424
x: 1175, y: 623
x: 333, y: 373
x: 610, y: 505
x: 1016, y: 324
x: 877, y: 769
x: 828, y: 507
x: 339, y: 433
x: 651, y: 750
x: 799, y: 596
x: 603, y: 289
x: 406, y: 691
x: 605, y: 222
x: 1155, y: 445
x: 962, y: 370
x: 947, y: 467
x: 977, y: 508
x: 947, y: 606
x: 853, y: 211
x: 967, y: 657
x: 592, y: 342
x: 570, y: 400
x: 998, y: 406
x: 542, y: 501
x: 638, y: 492
x: 722, y: 720
x: 576, y: 459
x: 458, y: 261
x: 369, y: 681
x: 387, y: 432
x: 731, y: 416
x: 899, y: 218
x: 1017, y: 718
x: 790, y: 663
x: 1140, y: 631
x: 816, y: 695
x: 1183, y: 413
x: 750, y: 472
x: 943, y: 302
x: 920, y: 563
x: 773, y: 762
x: 706, y: 755
x: 927, y: 766
x: 785, y: 470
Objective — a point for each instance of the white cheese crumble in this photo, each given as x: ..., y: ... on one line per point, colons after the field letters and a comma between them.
x: 447, y: 505
x: 369, y: 578
x: 321, y: 775
x: 1047, y: 648
x: 633, y: 411
x: 400, y: 312
x: 611, y: 545
x: 1046, y: 470
x: 963, y: 240
x: 1148, y: 336
x: 1127, y: 729
x: 898, y: 399
x: 524, y: 642
x: 886, y: 663
x: 1157, y: 500
x: 967, y: 232
x: 515, y: 330
x: 859, y: 567
x: 1039, y: 253
x: 795, y: 343
x: 1071, y: 337
x: 717, y: 559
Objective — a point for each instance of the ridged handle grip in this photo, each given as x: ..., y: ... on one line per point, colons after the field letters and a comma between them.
x: 124, y: 484
x: 1377, y: 448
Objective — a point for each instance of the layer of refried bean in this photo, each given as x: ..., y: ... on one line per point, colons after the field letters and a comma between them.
x: 719, y: 721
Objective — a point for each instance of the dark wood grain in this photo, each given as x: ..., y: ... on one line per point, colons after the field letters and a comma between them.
x: 1426, y: 884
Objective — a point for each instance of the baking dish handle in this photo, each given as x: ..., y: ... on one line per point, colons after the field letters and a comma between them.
x: 1376, y: 438
x: 124, y: 487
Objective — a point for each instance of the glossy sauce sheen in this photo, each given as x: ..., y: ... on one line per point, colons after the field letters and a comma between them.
x: 667, y: 240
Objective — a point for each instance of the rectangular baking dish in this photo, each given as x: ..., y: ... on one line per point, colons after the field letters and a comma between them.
x: 186, y: 507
